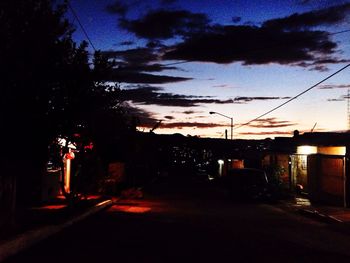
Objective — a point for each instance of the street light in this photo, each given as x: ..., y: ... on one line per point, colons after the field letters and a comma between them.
x: 214, y: 112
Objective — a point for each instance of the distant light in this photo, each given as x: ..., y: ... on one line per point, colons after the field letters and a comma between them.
x: 332, y: 150
x: 306, y: 149
x: 62, y: 142
x: 221, y: 162
x: 329, y: 150
x: 210, y: 177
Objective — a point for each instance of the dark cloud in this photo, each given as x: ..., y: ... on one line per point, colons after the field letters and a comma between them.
x: 334, y: 100
x: 335, y: 86
x: 324, y: 17
x: 341, y: 98
x: 321, y: 68
x: 118, y: 7
x: 331, y: 61
x: 320, y: 64
x: 124, y: 76
x: 133, y: 56
x: 249, y: 99
x: 197, y: 117
x: 239, y: 44
x: 250, y: 23
x: 236, y: 19
x: 148, y: 95
x: 155, y: 67
x: 221, y: 86
x: 165, y: 24
x: 267, y: 133
x: 291, y: 40
x: 286, y: 41
x: 122, y: 7
x: 143, y: 67
x: 321, y: 3
x: 168, y: 2
x: 147, y: 119
x: 133, y: 63
x: 305, y: 2
x: 126, y: 43
x: 270, y: 123
x: 155, y: 44
x: 188, y: 112
x: 180, y: 125
x: 144, y: 118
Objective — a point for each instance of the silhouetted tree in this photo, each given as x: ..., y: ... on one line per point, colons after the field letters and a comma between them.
x: 33, y: 41
x: 49, y: 88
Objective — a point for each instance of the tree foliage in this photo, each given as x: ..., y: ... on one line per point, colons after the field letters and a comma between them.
x: 50, y: 86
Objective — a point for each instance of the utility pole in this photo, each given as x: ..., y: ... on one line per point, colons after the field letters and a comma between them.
x: 214, y: 112
x: 348, y: 100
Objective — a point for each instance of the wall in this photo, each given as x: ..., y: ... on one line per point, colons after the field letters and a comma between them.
x: 326, y: 178
x: 280, y: 163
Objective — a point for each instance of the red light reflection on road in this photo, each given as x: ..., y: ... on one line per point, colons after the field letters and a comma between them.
x: 130, y: 209
x: 93, y: 197
x: 138, y: 206
x: 50, y: 207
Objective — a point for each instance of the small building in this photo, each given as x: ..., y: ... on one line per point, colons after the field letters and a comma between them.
x: 319, y: 167
x: 313, y: 164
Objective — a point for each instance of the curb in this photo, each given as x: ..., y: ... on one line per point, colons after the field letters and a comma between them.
x: 32, y: 237
x: 314, y: 214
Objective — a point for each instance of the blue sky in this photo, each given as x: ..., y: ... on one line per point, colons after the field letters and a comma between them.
x: 178, y: 60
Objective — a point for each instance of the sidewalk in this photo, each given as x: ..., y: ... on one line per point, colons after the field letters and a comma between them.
x: 324, y: 213
x: 38, y: 223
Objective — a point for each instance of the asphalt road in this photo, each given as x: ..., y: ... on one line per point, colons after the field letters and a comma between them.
x: 192, y: 222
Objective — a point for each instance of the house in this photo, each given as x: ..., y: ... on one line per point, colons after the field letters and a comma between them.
x: 320, y: 167
x: 313, y: 164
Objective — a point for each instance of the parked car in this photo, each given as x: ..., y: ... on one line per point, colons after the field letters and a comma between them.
x: 246, y: 184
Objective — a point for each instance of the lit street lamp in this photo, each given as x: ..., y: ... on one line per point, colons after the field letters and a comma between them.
x: 213, y: 112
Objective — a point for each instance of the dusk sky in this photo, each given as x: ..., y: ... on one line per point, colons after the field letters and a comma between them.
x: 179, y: 60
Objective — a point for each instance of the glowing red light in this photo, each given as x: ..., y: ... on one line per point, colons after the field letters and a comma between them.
x: 89, y: 147
x: 70, y: 156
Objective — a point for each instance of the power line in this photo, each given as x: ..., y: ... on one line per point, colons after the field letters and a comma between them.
x: 81, y: 25
x: 340, y: 32
x: 295, y: 97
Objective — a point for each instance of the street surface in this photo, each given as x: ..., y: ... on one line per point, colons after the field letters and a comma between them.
x: 181, y: 221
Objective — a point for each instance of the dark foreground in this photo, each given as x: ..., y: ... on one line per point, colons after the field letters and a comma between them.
x: 192, y: 223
